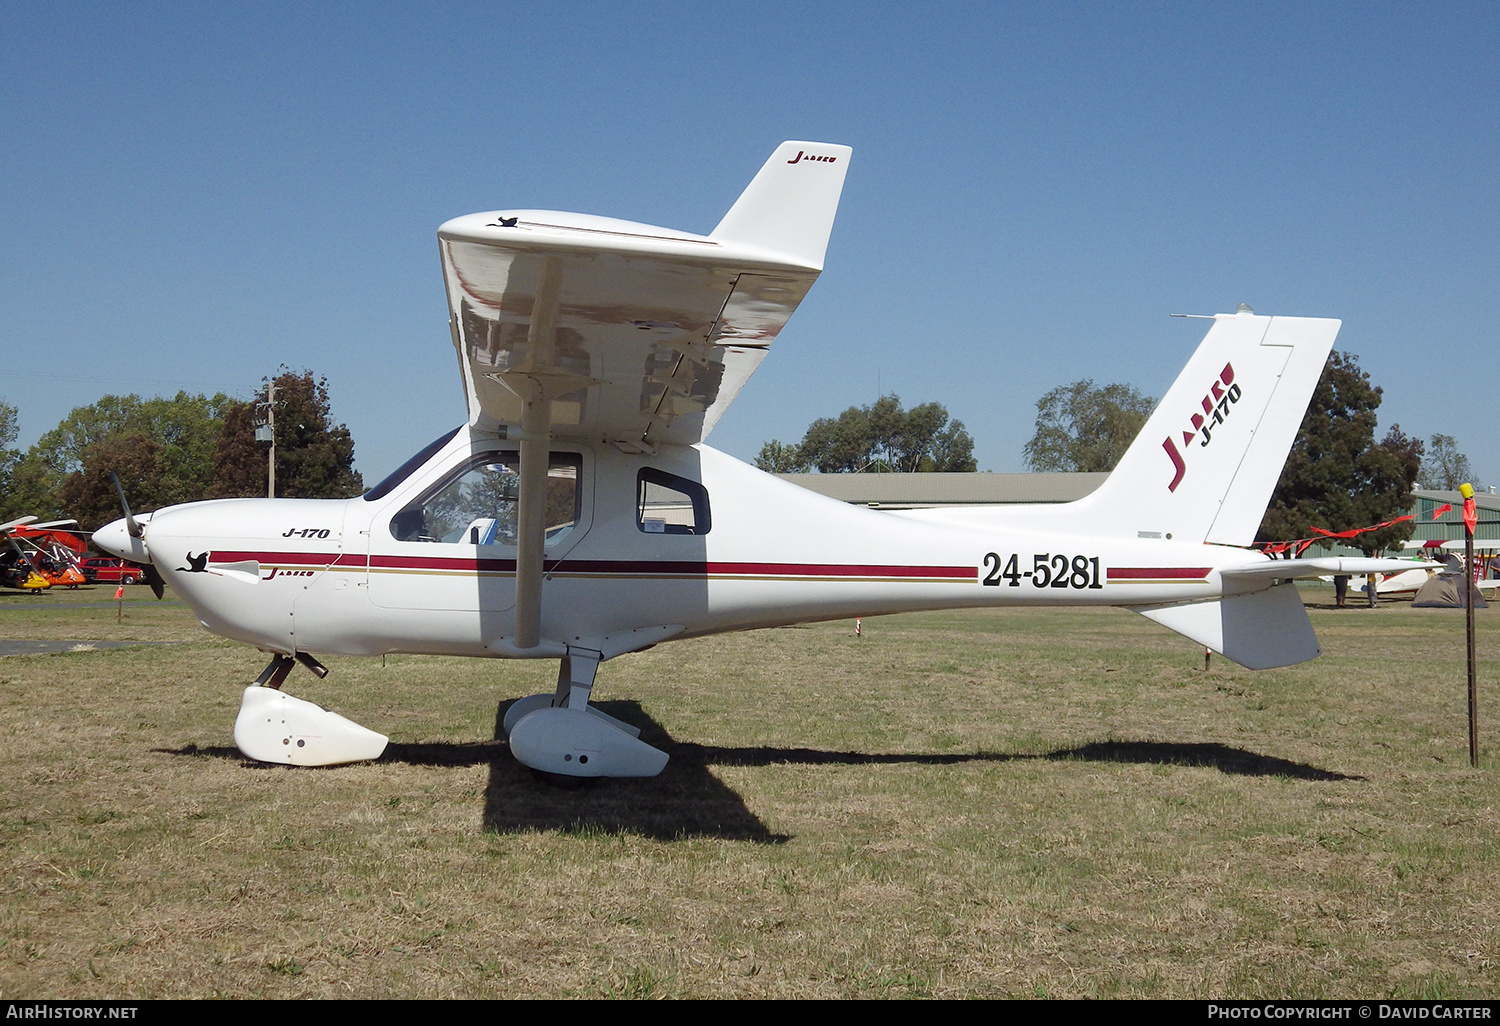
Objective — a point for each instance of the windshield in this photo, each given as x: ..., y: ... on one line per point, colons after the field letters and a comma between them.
x: 406, y: 469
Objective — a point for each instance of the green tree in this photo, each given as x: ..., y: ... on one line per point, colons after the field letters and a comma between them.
x: 88, y: 494
x: 1083, y: 428
x: 1445, y: 468
x: 314, y: 458
x: 882, y: 437
x: 67, y: 472
x: 30, y: 490
x: 1337, y: 476
x: 8, y: 457
x: 188, y: 424
x: 8, y: 425
x: 780, y: 458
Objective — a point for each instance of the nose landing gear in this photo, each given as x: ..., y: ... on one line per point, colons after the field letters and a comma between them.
x: 276, y: 727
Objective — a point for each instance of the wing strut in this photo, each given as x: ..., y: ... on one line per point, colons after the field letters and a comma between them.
x: 536, y: 450
x: 531, y: 519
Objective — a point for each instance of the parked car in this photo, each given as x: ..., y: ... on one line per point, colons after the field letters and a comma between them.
x: 108, y: 570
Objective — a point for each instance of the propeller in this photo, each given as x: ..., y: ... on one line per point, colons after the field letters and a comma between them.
x: 133, y: 527
x: 153, y: 578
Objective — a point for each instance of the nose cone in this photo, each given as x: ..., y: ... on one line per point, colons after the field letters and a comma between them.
x: 114, y: 538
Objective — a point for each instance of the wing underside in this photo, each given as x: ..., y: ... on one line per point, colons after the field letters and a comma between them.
x: 634, y: 335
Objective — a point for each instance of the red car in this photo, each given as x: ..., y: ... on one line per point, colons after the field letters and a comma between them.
x: 106, y: 569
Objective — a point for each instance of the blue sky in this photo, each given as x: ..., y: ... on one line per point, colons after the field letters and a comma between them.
x: 193, y: 195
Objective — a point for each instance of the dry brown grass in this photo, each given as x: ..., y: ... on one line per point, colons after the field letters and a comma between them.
x: 957, y: 805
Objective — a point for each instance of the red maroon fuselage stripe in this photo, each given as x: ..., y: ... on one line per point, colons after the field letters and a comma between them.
x: 675, y: 568
x: 279, y: 558
x: 696, y: 568
x: 1173, y: 573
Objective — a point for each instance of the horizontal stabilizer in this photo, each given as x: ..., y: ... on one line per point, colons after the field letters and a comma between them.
x: 1260, y: 631
x: 1298, y: 569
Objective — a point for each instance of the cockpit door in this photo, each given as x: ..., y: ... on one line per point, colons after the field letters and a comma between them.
x: 452, y: 546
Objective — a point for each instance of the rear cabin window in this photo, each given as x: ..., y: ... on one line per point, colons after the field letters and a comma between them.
x: 668, y: 504
x: 477, y: 503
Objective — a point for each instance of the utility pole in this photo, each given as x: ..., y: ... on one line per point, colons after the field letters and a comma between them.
x: 271, y: 423
x: 267, y: 433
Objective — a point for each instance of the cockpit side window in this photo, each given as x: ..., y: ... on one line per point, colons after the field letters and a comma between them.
x: 668, y: 504
x: 477, y: 503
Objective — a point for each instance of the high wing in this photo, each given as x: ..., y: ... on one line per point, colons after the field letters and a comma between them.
x: 631, y: 334
x: 588, y: 328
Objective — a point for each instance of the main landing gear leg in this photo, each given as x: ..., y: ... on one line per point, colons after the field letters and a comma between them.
x: 561, y: 733
x: 276, y: 727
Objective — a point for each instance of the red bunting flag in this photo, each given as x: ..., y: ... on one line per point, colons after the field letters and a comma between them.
x: 1354, y: 531
x: 1446, y: 507
x: 1300, y: 545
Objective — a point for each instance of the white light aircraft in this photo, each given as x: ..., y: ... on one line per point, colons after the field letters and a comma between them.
x: 1410, y: 581
x: 578, y: 516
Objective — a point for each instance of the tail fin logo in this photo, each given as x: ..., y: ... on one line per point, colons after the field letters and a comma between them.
x: 1216, y: 406
x: 809, y: 156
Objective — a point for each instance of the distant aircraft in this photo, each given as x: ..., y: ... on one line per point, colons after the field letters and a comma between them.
x: 17, y: 567
x: 578, y: 516
x: 1417, y: 573
x: 56, y: 552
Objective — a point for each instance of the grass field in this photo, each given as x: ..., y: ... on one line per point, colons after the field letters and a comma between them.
x: 1032, y: 804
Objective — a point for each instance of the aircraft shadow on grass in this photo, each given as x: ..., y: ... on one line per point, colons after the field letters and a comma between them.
x: 689, y: 801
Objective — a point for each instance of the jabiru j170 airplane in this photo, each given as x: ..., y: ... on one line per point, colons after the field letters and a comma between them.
x: 579, y: 516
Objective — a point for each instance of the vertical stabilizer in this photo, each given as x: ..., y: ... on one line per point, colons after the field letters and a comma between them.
x: 1204, y: 466
x: 787, y: 210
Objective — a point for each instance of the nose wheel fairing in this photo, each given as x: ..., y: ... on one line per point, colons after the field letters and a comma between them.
x: 276, y: 727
